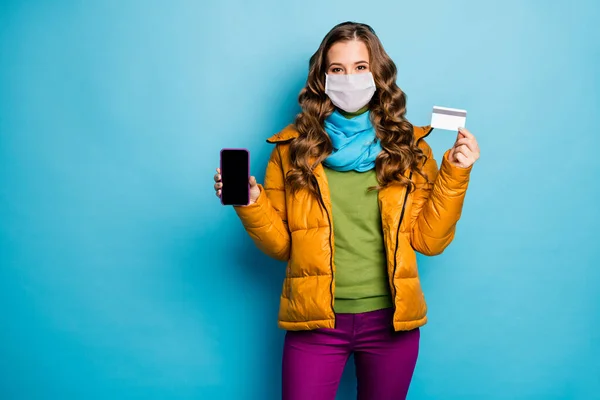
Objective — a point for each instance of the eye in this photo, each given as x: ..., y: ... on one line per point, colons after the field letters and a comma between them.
x: 336, y: 70
x: 362, y: 68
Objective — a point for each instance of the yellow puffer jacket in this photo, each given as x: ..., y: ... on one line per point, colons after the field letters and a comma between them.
x: 298, y: 229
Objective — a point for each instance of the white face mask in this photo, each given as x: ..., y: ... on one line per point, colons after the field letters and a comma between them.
x: 350, y: 92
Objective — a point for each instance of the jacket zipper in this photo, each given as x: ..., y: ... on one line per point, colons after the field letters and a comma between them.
x: 330, y: 252
x: 399, y: 225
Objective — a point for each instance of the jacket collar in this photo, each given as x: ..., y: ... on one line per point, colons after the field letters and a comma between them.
x: 287, y: 133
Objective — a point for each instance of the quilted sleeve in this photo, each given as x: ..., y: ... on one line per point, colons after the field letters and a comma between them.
x: 437, y: 204
x: 266, y: 219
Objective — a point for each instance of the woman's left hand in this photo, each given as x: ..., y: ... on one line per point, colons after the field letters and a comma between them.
x: 465, y: 151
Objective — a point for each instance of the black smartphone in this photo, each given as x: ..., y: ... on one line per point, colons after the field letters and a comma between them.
x: 235, y: 174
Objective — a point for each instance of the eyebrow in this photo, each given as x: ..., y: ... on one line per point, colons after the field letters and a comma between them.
x: 356, y: 63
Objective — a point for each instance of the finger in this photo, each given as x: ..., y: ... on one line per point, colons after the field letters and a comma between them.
x: 465, y: 132
x: 471, y: 144
x: 473, y: 154
x: 218, y: 193
x: 217, y: 177
x: 463, y: 150
x: 462, y: 160
x: 218, y: 185
x: 252, y: 181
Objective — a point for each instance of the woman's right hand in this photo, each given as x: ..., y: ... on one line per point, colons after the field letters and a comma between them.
x: 254, y: 189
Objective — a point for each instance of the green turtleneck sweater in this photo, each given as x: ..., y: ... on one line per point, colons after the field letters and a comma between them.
x: 361, y: 279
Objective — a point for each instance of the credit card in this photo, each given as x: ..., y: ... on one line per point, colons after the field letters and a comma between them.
x: 448, y: 118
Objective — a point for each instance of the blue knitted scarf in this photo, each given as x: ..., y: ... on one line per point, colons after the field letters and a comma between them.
x: 355, y: 145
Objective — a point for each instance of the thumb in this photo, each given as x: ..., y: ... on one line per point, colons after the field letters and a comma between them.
x: 252, y: 182
x: 459, y: 136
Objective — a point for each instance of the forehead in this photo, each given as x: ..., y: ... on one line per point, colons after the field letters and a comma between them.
x: 348, y: 52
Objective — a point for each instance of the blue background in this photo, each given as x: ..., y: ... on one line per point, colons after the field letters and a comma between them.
x: 122, y: 276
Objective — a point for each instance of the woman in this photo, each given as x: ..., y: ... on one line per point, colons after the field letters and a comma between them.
x: 351, y: 192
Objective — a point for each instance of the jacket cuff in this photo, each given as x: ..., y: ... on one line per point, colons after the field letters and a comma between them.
x: 454, y: 172
x: 249, y: 214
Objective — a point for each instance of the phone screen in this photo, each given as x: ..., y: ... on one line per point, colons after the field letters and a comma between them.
x: 234, y: 176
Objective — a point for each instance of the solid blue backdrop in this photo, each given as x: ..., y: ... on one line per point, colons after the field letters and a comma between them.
x: 122, y: 276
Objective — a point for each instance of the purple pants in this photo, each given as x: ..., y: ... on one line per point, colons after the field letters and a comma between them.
x: 313, y: 361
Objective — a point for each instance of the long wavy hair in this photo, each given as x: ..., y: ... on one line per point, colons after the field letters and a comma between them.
x: 388, y: 107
